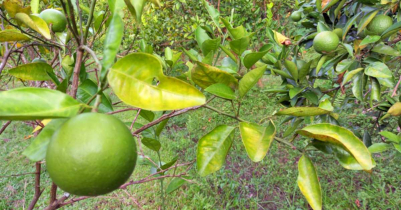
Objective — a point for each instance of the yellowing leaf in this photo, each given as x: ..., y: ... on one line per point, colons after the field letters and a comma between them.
x: 339, y: 135
x: 34, y: 22
x: 138, y: 80
x: 280, y: 38
x: 44, y: 122
x: 308, y: 182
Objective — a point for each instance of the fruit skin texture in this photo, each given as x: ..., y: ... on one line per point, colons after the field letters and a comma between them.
x: 54, y: 17
x: 379, y: 24
x: 91, y: 154
x: 296, y: 16
x: 325, y: 42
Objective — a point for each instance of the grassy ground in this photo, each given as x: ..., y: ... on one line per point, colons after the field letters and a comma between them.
x: 241, y: 184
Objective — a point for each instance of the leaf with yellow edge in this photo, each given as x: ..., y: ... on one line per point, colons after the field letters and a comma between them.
x: 11, y: 35
x: 34, y: 22
x: 339, y: 135
x: 257, y: 139
x: 138, y: 80
x: 205, y: 75
x: 395, y: 110
x: 308, y: 182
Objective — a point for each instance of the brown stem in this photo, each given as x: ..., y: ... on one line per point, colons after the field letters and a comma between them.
x: 53, y: 193
x: 38, y: 192
x: 77, y: 69
x: 5, y: 126
x: 392, y: 95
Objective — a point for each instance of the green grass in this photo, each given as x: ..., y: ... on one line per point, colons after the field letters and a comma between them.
x: 240, y: 184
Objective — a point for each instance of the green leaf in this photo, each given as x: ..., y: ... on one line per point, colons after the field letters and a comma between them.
x: 302, y: 111
x: 240, y: 45
x: 213, y: 149
x: 112, y: 42
x: 161, y: 126
x: 257, y: 139
x: 385, y: 50
x: 221, y: 90
x: 136, y: 8
x: 326, y: 105
x: 36, y: 151
x: 250, y: 79
x: 211, y: 45
x: 171, y: 56
x: 175, y: 184
x: 35, y: 6
x: 349, y: 24
x: 349, y: 75
x: 251, y: 58
x: 235, y: 33
x: 367, y: 140
x: 131, y: 78
x: 147, y: 115
x: 343, y: 156
x: 11, y: 35
x: 32, y: 71
x: 192, y: 54
x: 375, y: 90
x: 229, y: 53
x: 282, y: 73
x: 213, y: 13
x: 369, y: 40
x: 36, y: 103
x: 379, y: 147
x: 34, y: 22
x: 366, y: 20
x: 295, y: 91
x: 87, y: 90
x: 339, y: 135
x: 391, y: 30
x: 357, y: 88
x: 304, y: 71
x: 201, y: 36
x: 205, y: 75
x: 308, y: 182
x: 291, y: 128
x: 388, y: 82
x: 151, y: 144
x: 378, y: 70
x: 391, y: 137
x: 169, y: 164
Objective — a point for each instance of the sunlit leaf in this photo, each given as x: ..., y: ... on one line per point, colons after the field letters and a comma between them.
x: 221, y: 90
x: 339, y: 135
x: 205, y: 75
x: 36, y: 103
x: 257, y: 139
x: 213, y: 149
x: 250, y: 79
x: 10, y: 35
x: 32, y: 71
x: 303, y: 111
x: 308, y: 182
x: 34, y: 22
x: 131, y: 78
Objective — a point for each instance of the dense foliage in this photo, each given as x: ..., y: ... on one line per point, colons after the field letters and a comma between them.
x: 164, y: 59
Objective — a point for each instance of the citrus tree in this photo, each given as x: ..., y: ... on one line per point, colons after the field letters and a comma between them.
x: 354, y: 63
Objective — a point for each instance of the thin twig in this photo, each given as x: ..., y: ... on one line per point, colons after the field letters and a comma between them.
x: 396, y: 88
x: 5, y: 126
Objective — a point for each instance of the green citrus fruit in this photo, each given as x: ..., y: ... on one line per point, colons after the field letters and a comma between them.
x: 56, y: 18
x: 379, y: 24
x: 39, y: 60
x: 326, y: 42
x: 339, y: 32
x: 296, y: 16
x: 91, y: 154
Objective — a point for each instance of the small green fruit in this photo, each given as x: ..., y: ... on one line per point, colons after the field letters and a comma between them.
x: 54, y: 17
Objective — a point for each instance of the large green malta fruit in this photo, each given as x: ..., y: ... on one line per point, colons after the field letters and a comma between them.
x: 91, y: 154
x: 326, y: 42
x: 54, y: 17
x: 379, y: 24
